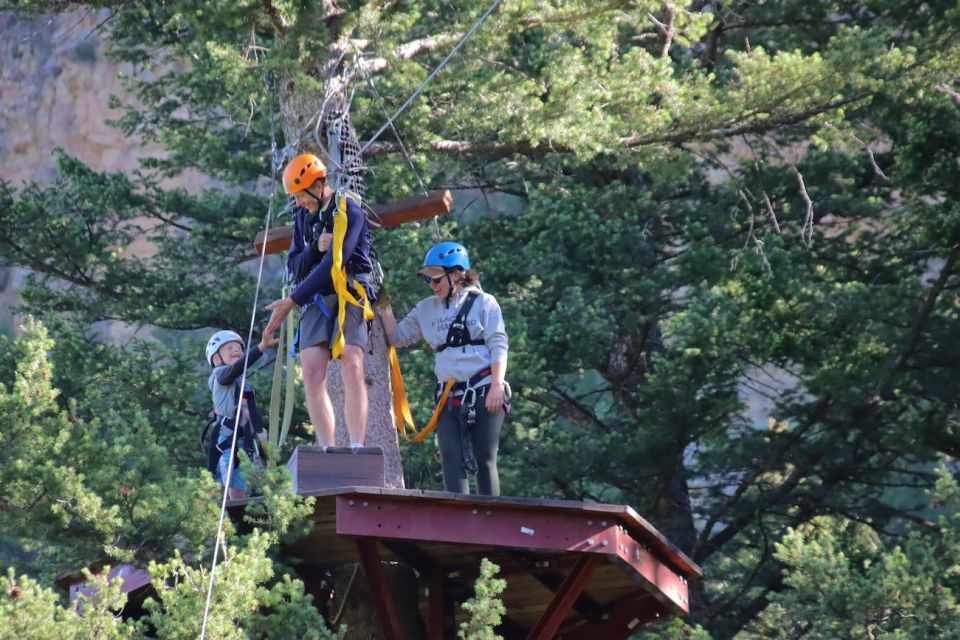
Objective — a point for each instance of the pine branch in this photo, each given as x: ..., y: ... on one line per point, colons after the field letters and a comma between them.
x: 276, y: 18
x: 682, y: 136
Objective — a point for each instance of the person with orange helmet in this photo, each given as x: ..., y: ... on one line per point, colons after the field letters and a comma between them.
x: 310, y: 264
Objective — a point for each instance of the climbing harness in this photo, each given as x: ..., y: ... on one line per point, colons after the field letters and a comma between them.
x: 342, y: 284
x: 458, y: 335
x: 473, y: 389
x: 403, y: 417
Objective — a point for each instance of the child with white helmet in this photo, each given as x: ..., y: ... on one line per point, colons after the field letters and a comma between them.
x: 225, y: 355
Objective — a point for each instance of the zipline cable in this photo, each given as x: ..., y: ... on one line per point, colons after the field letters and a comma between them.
x: 419, y: 90
x: 396, y: 134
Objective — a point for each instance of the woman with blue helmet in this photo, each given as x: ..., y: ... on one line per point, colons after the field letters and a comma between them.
x: 464, y: 326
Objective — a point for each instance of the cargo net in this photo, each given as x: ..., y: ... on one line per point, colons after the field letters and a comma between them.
x: 337, y: 137
x: 338, y: 140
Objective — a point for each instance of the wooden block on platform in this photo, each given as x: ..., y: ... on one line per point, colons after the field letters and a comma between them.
x: 312, y: 468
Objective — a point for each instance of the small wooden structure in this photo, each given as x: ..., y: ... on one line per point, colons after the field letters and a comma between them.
x: 135, y: 584
x: 392, y: 214
x: 312, y: 468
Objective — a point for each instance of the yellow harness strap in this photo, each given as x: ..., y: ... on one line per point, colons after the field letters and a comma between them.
x: 401, y: 407
x: 338, y: 273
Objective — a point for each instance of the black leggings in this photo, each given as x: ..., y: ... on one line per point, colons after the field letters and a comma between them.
x: 485, y: 436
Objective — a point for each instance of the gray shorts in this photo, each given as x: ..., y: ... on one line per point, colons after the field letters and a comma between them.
x: 316, y: 328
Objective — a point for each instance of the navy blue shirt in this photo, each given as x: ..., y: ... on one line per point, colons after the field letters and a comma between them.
x: 310, y: 266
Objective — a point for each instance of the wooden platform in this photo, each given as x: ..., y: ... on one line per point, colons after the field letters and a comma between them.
x: 573, y: 570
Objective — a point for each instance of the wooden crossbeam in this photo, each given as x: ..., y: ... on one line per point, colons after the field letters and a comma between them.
x: 552, y: 579
x: 390, y: 214
x: 564, y: 598
x: 623, y: 619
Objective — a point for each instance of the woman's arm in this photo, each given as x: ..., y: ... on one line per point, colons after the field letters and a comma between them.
x: 403, y: 333
x: 495, y: 336
x: 389, y: 322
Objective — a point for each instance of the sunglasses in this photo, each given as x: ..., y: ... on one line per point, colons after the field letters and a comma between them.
x: 434, y: 279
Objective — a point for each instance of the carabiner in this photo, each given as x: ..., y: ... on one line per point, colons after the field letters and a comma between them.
x: 469, y: 397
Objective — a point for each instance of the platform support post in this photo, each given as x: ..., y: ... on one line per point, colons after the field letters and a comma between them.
x: 435, y: 604
x: 383, y: 597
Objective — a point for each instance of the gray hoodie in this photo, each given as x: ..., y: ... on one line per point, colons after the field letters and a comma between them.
x: 431, y: 320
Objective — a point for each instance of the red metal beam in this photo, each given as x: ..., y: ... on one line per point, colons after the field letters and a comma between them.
x: 382, y: 596
x: 569, y: 591
x: 391, y: 214
x: 662, y: 582
x: 491, y: 524
x: 552, y: 579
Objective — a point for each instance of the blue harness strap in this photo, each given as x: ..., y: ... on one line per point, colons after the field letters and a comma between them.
x: 318, y: 300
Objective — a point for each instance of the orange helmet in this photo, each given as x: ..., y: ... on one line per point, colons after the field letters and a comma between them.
x: 301, y: 172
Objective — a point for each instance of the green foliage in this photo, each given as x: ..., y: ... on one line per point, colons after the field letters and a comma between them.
x: 247, y: 602
x: 724, y: 237
x: 845, y: 581
x: 675, y: 629
x: 32, y: 612
x: 485, y: 607
x: 61, y: 502
x: 191, y: 281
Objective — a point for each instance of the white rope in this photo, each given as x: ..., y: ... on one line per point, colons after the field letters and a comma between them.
x: 243, y: 377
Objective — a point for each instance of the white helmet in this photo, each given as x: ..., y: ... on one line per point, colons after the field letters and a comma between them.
x: 219, y: 339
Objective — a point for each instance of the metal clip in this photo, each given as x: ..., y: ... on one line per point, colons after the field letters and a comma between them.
x: 469, y: 398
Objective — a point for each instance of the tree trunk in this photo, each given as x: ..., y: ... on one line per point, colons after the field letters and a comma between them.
x: 675, y: 520
x: 297, y: 106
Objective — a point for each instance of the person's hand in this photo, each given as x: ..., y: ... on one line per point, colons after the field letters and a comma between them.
x: 324, y: 241
x: 494, y: 400
x: 268, y: 340
x: 278, y: 311
x: 383, y: 297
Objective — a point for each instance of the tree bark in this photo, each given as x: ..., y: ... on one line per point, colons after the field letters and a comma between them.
x: 297, y: 106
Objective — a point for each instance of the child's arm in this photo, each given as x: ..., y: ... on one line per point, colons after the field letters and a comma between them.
x: 227, y: 375
x: 267, y: 341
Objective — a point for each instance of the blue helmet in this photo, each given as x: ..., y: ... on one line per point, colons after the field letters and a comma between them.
x: 448, y: 255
